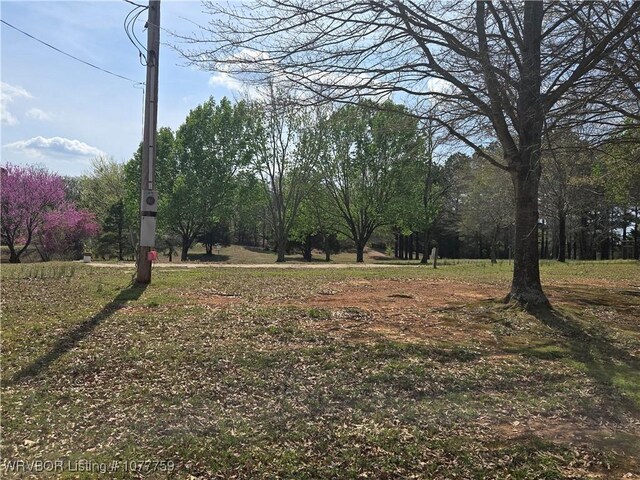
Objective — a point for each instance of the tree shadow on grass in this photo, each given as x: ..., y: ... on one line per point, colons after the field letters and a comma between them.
x: 73, y: 336
x: 208, y: 258
x: 592, y: 296
x: 257, y: 249
x: 611, y: 366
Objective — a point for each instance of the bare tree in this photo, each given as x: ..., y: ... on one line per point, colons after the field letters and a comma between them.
x: 487, y: 207
x: 565, y: 158
x: 281, y: 161
x: 499, y: 71
x: 436, y: 184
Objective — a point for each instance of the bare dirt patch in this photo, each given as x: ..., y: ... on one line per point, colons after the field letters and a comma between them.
x: 570, y: 432
x: 400, y: 295
x: 402, y: 310
x: 401, y: 328
x: 553, y: 429
x: 211, y: 298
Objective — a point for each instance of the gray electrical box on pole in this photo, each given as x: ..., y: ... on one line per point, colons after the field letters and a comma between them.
x: 149, y: 210
x: 149, y: 197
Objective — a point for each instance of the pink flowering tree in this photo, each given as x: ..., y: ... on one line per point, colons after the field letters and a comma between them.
x: 64, y: 229
x: 29, y: 196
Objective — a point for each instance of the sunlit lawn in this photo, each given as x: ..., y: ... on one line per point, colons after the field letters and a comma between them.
x: 326, y: 373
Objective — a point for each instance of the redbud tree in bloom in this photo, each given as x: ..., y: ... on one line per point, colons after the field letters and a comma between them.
x: 64, y: 229
x: 28, y: 198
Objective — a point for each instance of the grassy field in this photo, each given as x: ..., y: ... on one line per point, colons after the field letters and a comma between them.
x: 240, y: 254
x: 402, y: 372
x: 235, y: 254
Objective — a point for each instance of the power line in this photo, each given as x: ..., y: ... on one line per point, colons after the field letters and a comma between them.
x: 68, y: 54
x: 129, y: 28
x: 136, y: 4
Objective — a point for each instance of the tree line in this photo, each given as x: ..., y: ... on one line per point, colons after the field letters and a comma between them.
x: 273, y: 175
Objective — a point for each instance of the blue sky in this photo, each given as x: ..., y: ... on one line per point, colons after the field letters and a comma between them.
x: 59, y: 113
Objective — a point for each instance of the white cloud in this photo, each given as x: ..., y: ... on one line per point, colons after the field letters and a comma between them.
x: 8, y: 94
x: 58, y: 146
x: 258, y: 69
x: 6, y: 118
x: 246, y: 56
x: 226, y: 81
x: 440, y: 85
x: 38, y: 114
x: 234, y: 85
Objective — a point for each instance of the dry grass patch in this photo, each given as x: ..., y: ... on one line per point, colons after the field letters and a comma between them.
x: 398, y: 373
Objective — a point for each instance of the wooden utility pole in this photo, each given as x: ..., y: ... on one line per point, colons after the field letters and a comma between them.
x: 149, y: 196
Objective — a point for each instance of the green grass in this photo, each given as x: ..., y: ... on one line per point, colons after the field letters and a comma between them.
x: 235, y: 372
x: 40, y: 270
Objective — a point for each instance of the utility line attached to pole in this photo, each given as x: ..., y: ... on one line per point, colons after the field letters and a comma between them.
x: 68, y: 54
x: 149, y: 197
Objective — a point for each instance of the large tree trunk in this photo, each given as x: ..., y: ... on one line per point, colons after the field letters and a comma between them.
x: 359, y: 252
x: 185, y: 250
x: 526, y: 288
x: 13, y: 257
x: 327, y: 247
x: 281, y: 250
x: 306, y: 249
x: 187, y: 241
